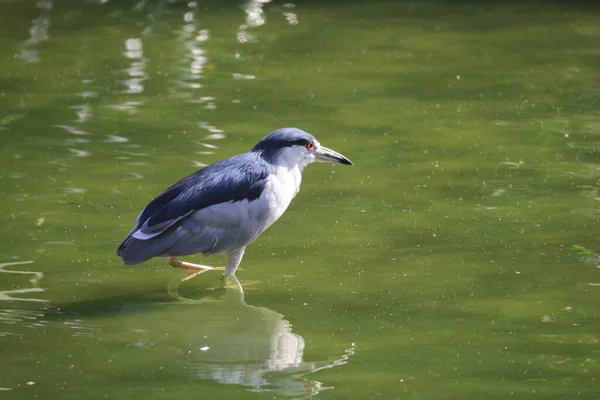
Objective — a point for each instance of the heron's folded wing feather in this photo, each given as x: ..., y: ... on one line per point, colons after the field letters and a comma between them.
x: 240, y: 178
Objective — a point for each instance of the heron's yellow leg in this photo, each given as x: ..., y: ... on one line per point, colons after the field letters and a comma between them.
x: 176, y: 263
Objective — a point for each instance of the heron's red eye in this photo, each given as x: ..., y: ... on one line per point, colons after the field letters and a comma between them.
x: 310, y: 146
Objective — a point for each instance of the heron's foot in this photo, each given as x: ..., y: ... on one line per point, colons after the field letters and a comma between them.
x: 192, y: 275
x: 176, y: 263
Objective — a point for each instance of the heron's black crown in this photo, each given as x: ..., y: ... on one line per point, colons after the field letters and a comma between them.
x: 281, y: 138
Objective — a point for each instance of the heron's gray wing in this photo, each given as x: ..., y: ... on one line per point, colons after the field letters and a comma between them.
x: 232, y: 180
x: 218, y: 228
x: 235, y: 179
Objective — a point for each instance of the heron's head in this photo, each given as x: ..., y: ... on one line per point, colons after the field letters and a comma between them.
x: 294, y: 147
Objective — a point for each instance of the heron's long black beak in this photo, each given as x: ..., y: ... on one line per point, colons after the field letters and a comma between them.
x: 325, y: 154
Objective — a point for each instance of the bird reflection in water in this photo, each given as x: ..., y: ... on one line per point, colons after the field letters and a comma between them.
x: 225, y: 340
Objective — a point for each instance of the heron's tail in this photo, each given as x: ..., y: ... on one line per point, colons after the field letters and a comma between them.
x: 127, y: 252
x: 135, y: 251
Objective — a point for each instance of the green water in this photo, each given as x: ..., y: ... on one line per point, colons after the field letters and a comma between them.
x: 459, y: 258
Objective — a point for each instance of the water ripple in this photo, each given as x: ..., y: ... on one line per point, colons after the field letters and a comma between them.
x: 133, y: 176
x: 72, y: 129
x: 130, y: 153
x: 7, y: 295
x: 80, y: 153
x: 243, y: 77
x: 207, y: 145
x: 116, y: 139
x: 127, y: 106
x: 84, y: 112
x: 79, y: 327
x: 212, y: 129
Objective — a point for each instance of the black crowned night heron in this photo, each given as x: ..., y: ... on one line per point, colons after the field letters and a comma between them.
x: 224, y: 207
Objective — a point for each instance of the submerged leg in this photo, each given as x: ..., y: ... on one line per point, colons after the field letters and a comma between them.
x: 175, y: 263
x: 234, y: 259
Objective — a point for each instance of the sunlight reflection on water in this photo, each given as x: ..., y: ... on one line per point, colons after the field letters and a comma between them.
x: 134, y: 51
x: 38, y: 33
x: 193, y: 59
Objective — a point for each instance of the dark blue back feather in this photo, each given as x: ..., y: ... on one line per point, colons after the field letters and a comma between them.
x: 241, y: 177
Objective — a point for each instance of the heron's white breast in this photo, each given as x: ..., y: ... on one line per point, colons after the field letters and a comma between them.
x: 282, y: 185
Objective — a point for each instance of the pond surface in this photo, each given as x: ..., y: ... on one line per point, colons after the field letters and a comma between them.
x: 459, y: 257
